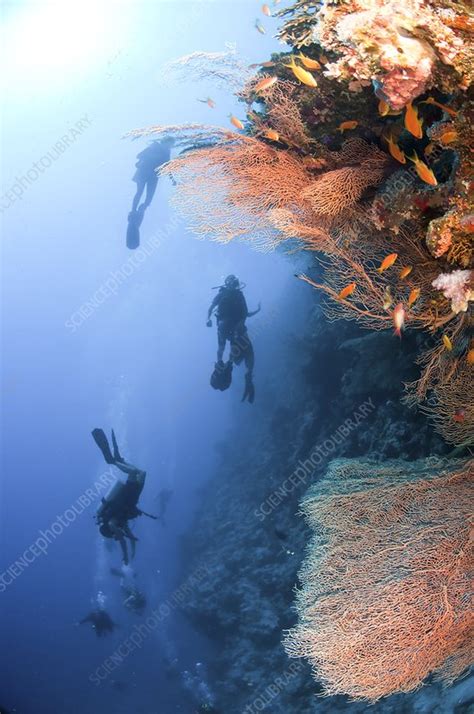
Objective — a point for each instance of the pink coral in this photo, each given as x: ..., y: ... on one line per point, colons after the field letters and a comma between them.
x: 458, y: 287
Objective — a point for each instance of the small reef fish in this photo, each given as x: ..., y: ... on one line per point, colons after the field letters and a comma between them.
x: 345, y: 292
x: 260, y: 27
x: 459, y: 416
x: 308, y: 62
x: 470, y: 356
x: 423, y: 171
x: 302, y: 74
x: 395, y: 150
x: 447, y: 343
x: 448, y: 137
x: 323, y: 59
x: 272, y: 135
x: 383, y: 108
x: 399, y: 319
x: 261, y: 64
x: 265, y: 83
x: 413, y: 296
x: 236, y: 122
x: 210, y: 102
x: 266, y: 10
x: 429, y: 149
x: 387, y: 262
x: 345, y: 125
x: 413, y: 123
x: 404, y: 272
x: 445, y: 108
x: 387, y: 299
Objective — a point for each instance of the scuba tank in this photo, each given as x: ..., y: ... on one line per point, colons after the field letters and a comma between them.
x: 112, y: 498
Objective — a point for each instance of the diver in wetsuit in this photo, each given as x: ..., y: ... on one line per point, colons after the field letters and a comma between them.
x: 101, y: 622
x: 120, y: 505
x: 148, y: 161
x: 231, y: 311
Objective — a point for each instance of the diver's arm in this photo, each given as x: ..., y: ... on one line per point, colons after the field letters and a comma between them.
x: 254, y: 312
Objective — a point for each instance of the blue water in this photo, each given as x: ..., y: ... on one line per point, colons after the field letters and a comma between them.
x: 140, y: 362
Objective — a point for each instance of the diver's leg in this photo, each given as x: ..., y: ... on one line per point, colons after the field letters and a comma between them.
x: 120, y: 537
x: 136, y: 199
x: 221, y: 341
x: 151, y: 185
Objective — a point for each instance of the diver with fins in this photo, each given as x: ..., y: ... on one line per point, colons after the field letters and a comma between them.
x: 101, y: 622
x: 230, y: 308
x: 149, y: 160
x: 120, y: 504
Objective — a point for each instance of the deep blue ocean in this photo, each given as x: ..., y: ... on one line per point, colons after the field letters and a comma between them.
x: 77, y: 76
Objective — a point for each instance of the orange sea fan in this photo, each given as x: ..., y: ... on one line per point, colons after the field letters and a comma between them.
x: 227, y: 190
x: 385, y: 594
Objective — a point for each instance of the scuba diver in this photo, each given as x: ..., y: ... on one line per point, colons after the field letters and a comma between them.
x: 133, y: 598
x: 120, y: 504
x: 101, y: 622
x: 231, y: 311
x: 148, y: 161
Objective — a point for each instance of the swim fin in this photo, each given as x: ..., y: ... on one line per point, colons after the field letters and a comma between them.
x: 249, y: 391
x: 135, y: 219
x: 117, y: 456
x: 101, y: 440
x: 221, y: 378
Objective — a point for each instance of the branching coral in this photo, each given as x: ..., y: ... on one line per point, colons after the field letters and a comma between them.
x: 444, y: 389
x: 385, y: 595
x: 224, y: 69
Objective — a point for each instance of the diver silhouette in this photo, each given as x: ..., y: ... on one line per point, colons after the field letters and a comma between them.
x: 148, y: 161
x: 230, y: 308
x: 120, y: 504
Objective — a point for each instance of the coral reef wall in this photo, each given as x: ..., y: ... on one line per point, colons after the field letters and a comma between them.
x: 249, y: 535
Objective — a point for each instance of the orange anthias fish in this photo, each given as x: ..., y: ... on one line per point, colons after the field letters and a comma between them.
x: 266, y: 10
x: 383, y: 108
x: 387, y: 262
x: 323, y: 59
x: 447, y: 343
x: 470, y: 356
x: 399, y: 319
x: 412, y: 122
x: 345, y: 292
x: 308, y: 62
x: 236, y: 122
x: 302, y: 74
x: 261, y: 64
x: 413, y: 297
x: 347, y: 125
x: 210, y: 102
x: 404, y: 272
x: 423, y: 170
x: 448, y: 137
x: 265, y: 83
x: 395, y: 150
x: 446, y: 109
x: 272, y: 135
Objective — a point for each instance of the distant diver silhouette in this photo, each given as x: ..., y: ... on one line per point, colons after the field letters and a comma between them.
x: 148, y: 161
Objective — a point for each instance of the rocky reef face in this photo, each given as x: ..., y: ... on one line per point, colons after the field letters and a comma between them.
x: 335, y: 393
